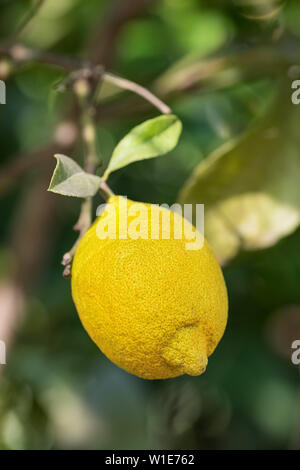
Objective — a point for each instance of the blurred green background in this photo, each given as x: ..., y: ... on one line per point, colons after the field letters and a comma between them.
x: 221, y: 66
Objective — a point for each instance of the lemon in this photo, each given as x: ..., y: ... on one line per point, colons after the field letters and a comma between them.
x: 154, y: 306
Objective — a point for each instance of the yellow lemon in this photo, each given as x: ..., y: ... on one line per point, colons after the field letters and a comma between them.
x: 154, y: 302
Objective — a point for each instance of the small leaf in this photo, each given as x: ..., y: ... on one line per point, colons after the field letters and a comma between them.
x: 250, y: 186
x: 150, y: 139
x: 69, y: 179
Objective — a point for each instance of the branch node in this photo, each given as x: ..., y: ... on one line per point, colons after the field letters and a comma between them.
x: 67, y: 272
x: 67, y: 258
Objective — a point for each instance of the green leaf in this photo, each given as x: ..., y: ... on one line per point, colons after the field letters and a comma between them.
x: 69, y: 179
x: 150, y: 139
x: 250, y: 186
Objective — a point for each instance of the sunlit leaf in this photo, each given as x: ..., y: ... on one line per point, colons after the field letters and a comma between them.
x: 150, y: 139
x: 69, y: 179
x: 250, y: 187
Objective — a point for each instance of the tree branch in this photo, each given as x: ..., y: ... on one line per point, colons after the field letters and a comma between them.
x: 84, y: 90
x: 137, y: 89
x: 78, y: 69
x: 82, y: 225
x: 20, y: 54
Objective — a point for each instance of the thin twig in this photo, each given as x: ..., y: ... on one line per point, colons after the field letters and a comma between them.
x: 25, y: 22
x: 137, y: 89
x: 105, y: 191
x: 82, y: 225
x: 84, y: 89
x: 22, y: 54
x: 84, y: 69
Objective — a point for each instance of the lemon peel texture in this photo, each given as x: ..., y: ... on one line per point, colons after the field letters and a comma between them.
x: 153, y: 307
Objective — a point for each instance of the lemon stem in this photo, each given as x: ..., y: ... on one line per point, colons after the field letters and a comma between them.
x: 82, y: 225
x: 105, y: 191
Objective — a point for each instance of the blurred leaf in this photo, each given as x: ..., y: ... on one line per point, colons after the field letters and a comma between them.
x: 150, y: 139
x: 267, y: 10
x: 250, y: 186
x: 201, y: 30
x: 226, y: 69
x: 69, y: 179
